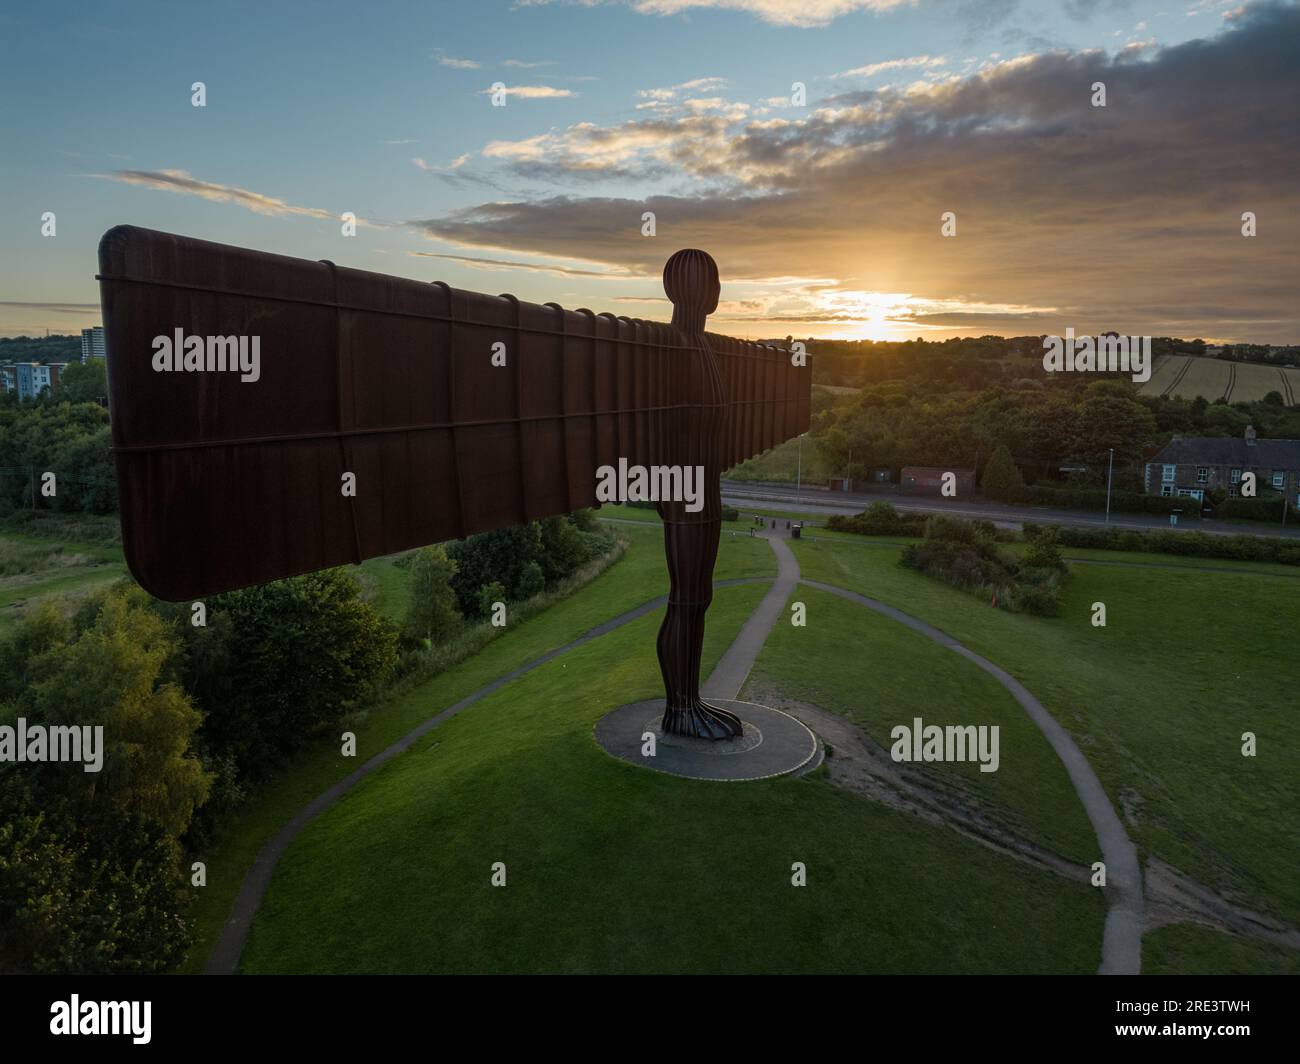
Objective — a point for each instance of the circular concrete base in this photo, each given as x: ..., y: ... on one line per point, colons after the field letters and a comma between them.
x: 772, y: 744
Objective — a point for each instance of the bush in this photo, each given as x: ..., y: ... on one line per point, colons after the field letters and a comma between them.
x: 965, y: 555
x: 1044, y: 552
x: 279, y: 662
x: 1268, y: 508
x: 1189, y: 544
x: 531, y: 582
x: 488, y: 596
x: 559, y: 545
x: 1002, y: 480
x: 879, y: 519
x: 730, y: 513
x: 1132, y: 502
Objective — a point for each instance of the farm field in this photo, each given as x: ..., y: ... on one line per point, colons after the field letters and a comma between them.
x: 1187, y: 376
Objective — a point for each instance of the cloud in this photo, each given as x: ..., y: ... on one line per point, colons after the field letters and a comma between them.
x: 533, y: 92
x: 525, y: 65
x: 892, y: 64
x: 671, y: 92
x: 1083, y: 10
x: 184, y: 182
x: 455, y: 63
x: 56, y: 308
x: 801, y: 13
x: 1099, y: 212
x: 477, y: 262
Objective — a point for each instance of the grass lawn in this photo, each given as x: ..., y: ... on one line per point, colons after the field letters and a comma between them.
x: 1157, y: 700
x: 639, y: 576
x: 621, y: 512
x: 879, y: 673
x: 1188, y: 949
x: 613, y: 868
x: 387, y: 586
x: 35, y: 567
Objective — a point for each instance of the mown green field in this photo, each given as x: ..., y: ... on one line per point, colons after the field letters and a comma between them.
x: 1158, y: 699
x: 879, y: 673
x: 611, y: 868
x: 599, y: 854
x: 636, y: 578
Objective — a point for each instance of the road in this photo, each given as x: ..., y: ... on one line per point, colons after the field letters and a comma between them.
x: 818, y: 500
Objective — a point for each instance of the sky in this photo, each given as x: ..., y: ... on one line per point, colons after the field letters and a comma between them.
x: 826, y: 217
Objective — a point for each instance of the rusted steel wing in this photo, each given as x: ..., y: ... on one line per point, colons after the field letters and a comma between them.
x: 226, y: 482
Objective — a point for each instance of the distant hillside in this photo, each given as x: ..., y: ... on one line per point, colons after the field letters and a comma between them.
x: 40, y: 348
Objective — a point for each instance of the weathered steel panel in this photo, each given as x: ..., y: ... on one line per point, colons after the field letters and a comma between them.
x: 225, y: 483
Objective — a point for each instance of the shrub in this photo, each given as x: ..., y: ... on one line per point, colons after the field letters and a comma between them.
x: 880, y: 519
x: 1189, y: 544
x: 1067, y: 498
x: 966, y: 555
x: 1044, y: 552
x: 1268, y: 508
x: 488, y: 596
x: 279, y: 662
x: 559, y: 545
x: 1002, y: 479
x: 531, y: 582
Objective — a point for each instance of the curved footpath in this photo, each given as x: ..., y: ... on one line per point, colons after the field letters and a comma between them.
x: 1121, y: 952
x: 1121, y: 947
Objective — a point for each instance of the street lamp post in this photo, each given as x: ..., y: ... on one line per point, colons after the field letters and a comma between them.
x: 1110, y: 471
x: 798, y: 470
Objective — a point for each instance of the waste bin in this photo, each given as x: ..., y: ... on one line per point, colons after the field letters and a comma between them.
x: 794, y: 530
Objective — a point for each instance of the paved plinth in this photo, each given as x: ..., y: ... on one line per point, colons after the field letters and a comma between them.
x: 773, y: 743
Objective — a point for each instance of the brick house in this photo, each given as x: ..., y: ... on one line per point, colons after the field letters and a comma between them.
x: 928, y: 480
x: 1190, y: 467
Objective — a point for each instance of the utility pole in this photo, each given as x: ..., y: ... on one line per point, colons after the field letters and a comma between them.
x: 1110, y: 471
x: 798, y: 469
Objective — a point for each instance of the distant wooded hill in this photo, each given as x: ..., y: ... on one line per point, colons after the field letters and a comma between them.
x: 40, y: 348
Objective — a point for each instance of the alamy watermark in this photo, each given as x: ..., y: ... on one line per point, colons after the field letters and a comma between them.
x: 37, y: 743
x: 194, y: 354
x: 654, y: 484
x: 1108, y: 352
x: 955, y: 742
x: 102, y: 1017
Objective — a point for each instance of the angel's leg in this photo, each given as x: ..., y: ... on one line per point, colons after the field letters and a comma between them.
x: 691, y: 548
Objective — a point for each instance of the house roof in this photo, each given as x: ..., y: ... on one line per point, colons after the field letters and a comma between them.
x: 1230, y: 451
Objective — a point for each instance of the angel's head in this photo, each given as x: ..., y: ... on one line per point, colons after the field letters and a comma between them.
x: 691, y: 281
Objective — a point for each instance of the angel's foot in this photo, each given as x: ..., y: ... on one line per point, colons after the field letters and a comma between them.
x: 702, y: 721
